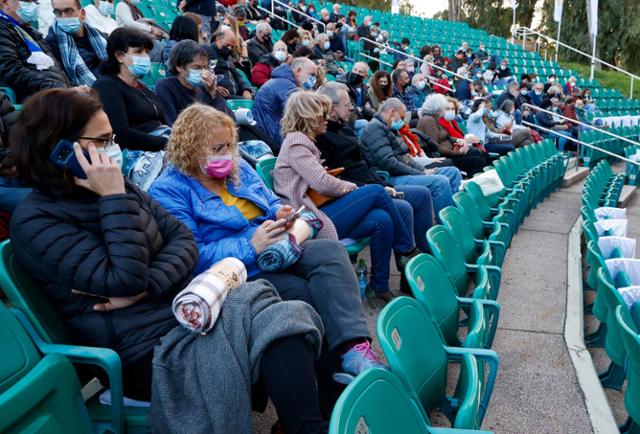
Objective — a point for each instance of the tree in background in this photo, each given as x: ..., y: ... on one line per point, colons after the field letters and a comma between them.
x: 618, y: 31
x: 406, y: 7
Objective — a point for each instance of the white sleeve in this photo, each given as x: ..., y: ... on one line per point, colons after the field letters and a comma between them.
x: 124, y: 18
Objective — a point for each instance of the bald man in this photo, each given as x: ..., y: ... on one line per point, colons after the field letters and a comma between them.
x: 233, y: 85
x: 271, y: 98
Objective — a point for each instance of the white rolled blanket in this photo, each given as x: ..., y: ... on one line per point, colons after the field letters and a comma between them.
x: 198, y: 305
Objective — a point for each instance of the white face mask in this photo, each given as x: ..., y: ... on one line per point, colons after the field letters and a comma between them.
x: 449, y: 115
x: 330, y: 33
x: 112, y: 151
x: 280, y: 55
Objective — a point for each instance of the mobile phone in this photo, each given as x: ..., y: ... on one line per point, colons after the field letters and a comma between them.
x: 64, y: 156
x: 399, y: 195
x: 294, y: 215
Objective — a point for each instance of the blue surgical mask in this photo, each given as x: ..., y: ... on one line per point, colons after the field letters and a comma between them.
x: 70, y: 25
x: 396, y: 125
x: 449, y: 115
x: 326, y: 45
x: 421, y: 84
x: 306, y: 42
x: 310, y: 83
x: 28, y: 12
x: 105, y: 8
x: 195, y: 77
x: 330, y: 33
x: 140, y: 66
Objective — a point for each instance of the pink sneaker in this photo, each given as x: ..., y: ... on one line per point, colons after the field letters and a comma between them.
x: 357, y: 360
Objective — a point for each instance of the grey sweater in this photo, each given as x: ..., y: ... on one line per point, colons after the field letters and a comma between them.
x: 202, y: 384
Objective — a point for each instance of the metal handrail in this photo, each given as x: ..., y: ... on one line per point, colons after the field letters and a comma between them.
x: 274, y: 15
x: 324, y: 26
x: 582, y: 123
x: 455, y: 74
x: 526, y: 30
x: 589, y: 145
x: 431, y: 77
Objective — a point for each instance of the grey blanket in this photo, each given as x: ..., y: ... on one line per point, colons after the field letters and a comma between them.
x: 202, y: 383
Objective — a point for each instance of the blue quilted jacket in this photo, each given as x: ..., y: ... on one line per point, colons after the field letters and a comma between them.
x: 220, y: 231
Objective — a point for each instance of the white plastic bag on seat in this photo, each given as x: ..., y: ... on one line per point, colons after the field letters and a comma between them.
x: 629, y: 266
x: 626, y: 245
x: 609, y: 212
x: 618, y: 227
x: 489, y: 182
x: 631, y: 294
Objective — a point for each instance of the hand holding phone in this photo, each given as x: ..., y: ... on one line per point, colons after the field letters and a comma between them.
x: 64, y: 156
x: 295, y: 215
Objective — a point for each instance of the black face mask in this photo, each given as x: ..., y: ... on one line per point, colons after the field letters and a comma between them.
x: 355, y: 79
x: 224, y: 52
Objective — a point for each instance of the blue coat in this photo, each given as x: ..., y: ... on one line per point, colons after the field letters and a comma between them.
x: 220, y: 231
x: 270, y: 100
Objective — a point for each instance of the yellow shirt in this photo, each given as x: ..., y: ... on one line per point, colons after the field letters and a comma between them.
x: 248, y: 209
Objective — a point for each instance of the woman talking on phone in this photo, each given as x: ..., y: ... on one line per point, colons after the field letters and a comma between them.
x: 232, y: 213
x: 110, y: 260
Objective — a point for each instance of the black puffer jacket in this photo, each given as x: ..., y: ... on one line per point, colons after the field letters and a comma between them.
x: 21, y: 76
x: 113, y: 246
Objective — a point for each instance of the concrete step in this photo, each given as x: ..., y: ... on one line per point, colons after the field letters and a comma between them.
x: 626, y: 195
x: 573, y: 176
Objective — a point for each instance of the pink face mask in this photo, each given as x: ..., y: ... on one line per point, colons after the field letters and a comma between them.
x: 219, y: 167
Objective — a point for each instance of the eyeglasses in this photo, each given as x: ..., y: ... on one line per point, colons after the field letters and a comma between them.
x: 219, y: 147
x: 101, y: 141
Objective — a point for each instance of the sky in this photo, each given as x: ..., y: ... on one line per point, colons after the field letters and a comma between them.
x: 429, y: 7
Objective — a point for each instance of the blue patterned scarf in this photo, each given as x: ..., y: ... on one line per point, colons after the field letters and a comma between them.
x: 74, y: 66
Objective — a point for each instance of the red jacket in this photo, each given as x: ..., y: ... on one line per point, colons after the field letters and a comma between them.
x: 260, y: 74
x: 439, y: 89
x: 228, y: 3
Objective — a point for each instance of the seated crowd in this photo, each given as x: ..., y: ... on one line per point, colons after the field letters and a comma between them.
x: 164, y: 187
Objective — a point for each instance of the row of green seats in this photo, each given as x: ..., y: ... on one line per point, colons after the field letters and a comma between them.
x: 420, y: 336
x: 618, y: 330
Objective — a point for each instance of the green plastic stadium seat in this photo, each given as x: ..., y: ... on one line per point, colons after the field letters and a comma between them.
x: 631, y: 340
x: 444, y: 248
x: 432, y: 288
x: 46, y: 329
x: 37, y: 394
x: 416, y: 353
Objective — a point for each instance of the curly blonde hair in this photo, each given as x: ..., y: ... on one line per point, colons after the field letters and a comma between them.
x: 192, y: 133
x: 303, y: 112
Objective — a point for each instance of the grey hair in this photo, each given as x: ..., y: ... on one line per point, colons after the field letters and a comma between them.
x: 183, y: 53
x: 331, y: 89
x: 300, y: 62
x: 262, y: 26
x: 434, y: 105
x: 391, y: 104
x: 513, y: 84
x: 322, y: 36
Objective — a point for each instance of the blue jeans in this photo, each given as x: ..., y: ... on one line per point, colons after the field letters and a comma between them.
x: 11, y: 193
x: 454, y: 176
x: 561, y: 138
x: 439, y: 185
x: 499, y: 148
x: 416, y: 211
x: 370, y: 212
